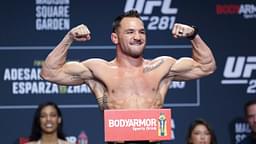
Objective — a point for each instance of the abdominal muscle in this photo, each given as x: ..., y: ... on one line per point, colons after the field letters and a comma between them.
x: 130, y: 100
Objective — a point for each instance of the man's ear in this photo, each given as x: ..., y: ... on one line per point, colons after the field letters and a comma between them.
x: 114, y: 38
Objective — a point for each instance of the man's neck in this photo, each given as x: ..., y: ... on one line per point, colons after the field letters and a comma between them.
x: 129, y: 62
x: 125, y: 60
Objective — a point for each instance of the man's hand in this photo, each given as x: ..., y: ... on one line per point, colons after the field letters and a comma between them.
x: 182, y: 30
x: 80, y: 33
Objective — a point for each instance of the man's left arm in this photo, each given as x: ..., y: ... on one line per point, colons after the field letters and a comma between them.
x: 202, y: 62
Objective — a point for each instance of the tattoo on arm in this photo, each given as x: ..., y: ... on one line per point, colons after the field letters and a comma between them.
x: 153, y: 66
x: 76, y: 77
x: 103, y: 101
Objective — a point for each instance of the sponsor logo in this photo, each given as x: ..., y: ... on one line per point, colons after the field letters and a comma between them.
x: 239, y: 70
x: 144, y: 124
x: 162, y: 125
x: 161, y: 21
x: 248, y: 11
x: 132, y: 122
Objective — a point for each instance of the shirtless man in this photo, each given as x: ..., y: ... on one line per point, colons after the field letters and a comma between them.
x: 128, y: 81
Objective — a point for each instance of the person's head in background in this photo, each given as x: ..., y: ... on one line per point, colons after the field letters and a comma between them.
x: 250, y: 115
x: 47, y: 122
x: 200, y: 132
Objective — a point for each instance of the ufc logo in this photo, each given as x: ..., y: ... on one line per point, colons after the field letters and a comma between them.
x: 146, y: 6
x: 240, y: 67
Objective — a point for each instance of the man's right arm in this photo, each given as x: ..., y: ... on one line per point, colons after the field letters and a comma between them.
x: 57, y: 70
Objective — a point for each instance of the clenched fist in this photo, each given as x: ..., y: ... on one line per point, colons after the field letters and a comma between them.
x: 182, y: 30
x: 80, y: 33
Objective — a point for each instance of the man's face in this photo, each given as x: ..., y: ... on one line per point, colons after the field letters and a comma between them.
x: 251, y: 117
x: 132, y: 36
x: 49, y: 120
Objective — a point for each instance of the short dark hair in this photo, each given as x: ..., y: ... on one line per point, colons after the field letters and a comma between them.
x: 118, y: 19
x: 201, y: 122
x: 36, y: 132
x: 248, y: 104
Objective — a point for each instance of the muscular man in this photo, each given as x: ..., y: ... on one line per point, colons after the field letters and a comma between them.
x: 129, y: 80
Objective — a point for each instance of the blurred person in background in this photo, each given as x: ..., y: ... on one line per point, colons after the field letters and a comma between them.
x: 250, y: 116
x: 200, y: 132
x: 47, y: 127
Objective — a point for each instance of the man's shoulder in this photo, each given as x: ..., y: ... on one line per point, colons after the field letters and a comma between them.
x: 164, y: 57
x: 95, y: 60
x: 161, y: 59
